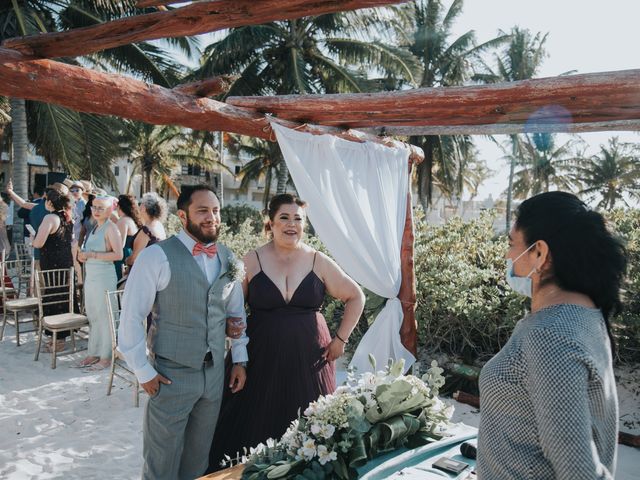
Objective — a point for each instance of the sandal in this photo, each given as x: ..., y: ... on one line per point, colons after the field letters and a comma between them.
x: 84, y: 363
x: 96, y: 367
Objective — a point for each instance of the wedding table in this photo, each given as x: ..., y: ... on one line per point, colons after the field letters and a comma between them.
x: 403, y: 464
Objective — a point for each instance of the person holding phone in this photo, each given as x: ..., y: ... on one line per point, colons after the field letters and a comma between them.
x: 53, y: 238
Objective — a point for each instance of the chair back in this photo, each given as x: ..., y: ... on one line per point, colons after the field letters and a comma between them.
x: 114, y: 307
x: 9, y: 271
x: 55, y: 287
x: 23, y: 250
x: 26, y: 261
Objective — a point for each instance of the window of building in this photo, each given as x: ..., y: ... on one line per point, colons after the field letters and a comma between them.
x: 116, y: 170
x: 194, y: 170
x: 237, y: 169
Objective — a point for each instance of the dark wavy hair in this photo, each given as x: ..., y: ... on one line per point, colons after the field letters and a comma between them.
x: 276, y: 202
x: 129, y: 206
x: 87, y: 208
x: 586, y: 257
x: 60, y: 203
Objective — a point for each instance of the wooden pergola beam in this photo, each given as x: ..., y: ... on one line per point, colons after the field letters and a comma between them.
x: 192, y: 19
x: 583, y: 99
x: 508, y: 129
x: 91, y: 91
x: 209, y: 87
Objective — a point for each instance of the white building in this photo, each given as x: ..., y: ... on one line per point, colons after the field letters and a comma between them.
x: 225, y: 181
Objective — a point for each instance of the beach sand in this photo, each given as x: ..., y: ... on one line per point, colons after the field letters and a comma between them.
x: 61, y: 424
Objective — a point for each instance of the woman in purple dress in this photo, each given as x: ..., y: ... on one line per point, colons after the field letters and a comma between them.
x: 291, y: 351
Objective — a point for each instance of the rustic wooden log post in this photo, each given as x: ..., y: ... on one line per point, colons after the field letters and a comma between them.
x: 407, y: 293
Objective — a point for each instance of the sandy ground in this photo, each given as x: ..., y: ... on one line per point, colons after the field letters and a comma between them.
x: 60, y: 423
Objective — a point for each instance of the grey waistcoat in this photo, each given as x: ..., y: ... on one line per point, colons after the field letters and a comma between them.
x: 190, y: 317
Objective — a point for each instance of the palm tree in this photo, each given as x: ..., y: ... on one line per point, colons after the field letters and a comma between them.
x: 266, y: 162
x: 521, y: 60
x: 80, y: 143
x: 156, y: 150
x: 542, y: 164
x: 611, y: 175
x: 324, y: 54
x: 425, y: 28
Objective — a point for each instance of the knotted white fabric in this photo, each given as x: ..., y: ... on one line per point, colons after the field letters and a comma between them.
x: 357, y: 195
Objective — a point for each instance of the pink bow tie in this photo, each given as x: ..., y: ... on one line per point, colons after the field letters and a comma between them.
x: 199, y: 248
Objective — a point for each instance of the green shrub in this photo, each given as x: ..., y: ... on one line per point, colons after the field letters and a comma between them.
x: 626, y: 326
x: 464, y: 306
x: 233, y: 216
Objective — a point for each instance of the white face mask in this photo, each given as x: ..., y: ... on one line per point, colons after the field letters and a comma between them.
x: 521, y: 285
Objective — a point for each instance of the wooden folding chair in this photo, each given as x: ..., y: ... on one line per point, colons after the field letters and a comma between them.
x: 12, y: 301
x: 24, y: 255
x: 114, y: 305
x: 56, y: 287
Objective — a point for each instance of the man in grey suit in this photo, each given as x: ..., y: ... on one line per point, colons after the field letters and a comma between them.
x: 192, y: 285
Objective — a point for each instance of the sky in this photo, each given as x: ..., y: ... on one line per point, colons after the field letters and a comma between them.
x: 584, y: 35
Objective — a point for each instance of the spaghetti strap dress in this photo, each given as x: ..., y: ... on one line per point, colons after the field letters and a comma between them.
x: 286, y: 370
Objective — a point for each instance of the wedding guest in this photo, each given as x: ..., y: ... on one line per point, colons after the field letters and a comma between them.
x: 87, y: 223
x: 292, y: 353
x: 5, y: 245
x: 549, y: 403
x: 192, y: 283
x: 153, y: 211
x: 37, y: 209
x: 24, y: 213
x: 102, y: 247
x: 79, y: 203
x: 76, y: 192
x: 128, y: 224
x: 54, y: 238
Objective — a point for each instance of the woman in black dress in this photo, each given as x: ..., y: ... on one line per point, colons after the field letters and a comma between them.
x: 54, y: 238
x: 291, y: 351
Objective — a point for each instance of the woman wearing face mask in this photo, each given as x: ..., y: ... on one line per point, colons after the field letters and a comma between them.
x: 549, y: 403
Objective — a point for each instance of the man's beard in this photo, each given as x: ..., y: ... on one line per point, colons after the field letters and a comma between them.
x: 199, y: 235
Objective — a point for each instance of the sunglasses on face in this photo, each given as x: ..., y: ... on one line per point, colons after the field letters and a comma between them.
x: 98, y: 209
x: 74, y: 190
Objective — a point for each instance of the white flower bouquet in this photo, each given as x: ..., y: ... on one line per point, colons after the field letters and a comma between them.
x: 370, y: 415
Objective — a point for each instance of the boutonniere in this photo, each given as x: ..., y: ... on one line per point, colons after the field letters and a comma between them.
x: 235, y: 270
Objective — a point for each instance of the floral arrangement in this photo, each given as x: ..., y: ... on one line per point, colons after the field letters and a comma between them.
x: 370, y: 415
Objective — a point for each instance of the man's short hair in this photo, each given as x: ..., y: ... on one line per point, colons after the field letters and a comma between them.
x: 39, y: 190
x: 187, y: 191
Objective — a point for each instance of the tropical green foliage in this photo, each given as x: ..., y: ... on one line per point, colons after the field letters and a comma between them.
x: 626, y: 326
x: 425, y: 28
x: 611, y: 177
x: 234, y: 216
x: 541, y: 164
x: 330, y: 53
x: 520, y: 60
x: 156, y: 150
x: 84, y: 145
x: 465, y: 308
x: 464, y: 304
x: 265, y: 162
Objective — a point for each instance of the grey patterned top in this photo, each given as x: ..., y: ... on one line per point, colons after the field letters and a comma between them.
x: 549, y: 401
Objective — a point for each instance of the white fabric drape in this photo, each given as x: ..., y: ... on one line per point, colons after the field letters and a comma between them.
x: 357, y: 195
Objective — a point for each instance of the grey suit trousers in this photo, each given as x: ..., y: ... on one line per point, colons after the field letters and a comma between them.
x: 180, y: 420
